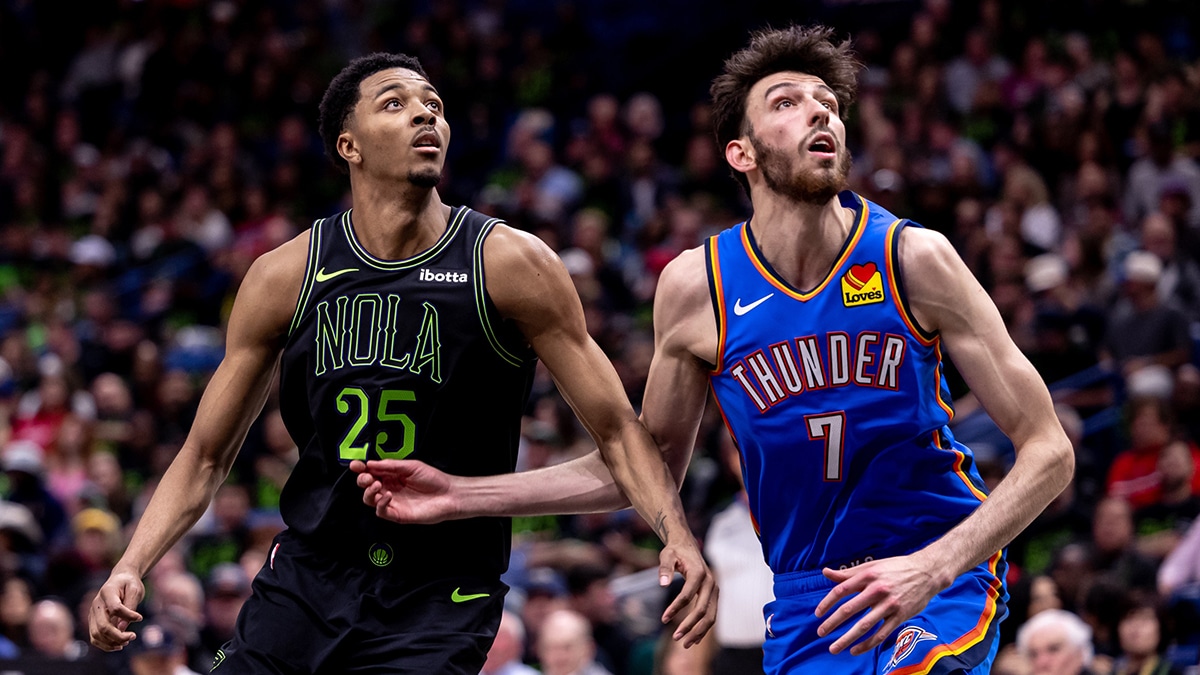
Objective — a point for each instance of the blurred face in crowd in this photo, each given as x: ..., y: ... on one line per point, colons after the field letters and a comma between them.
x: 796, y: 137
x: 565, y: 644
x: 1148, y: 429
x: 1043, y: 595
x: 1175, y: 465
x: 397, y: 129
x: 1139, y: 632
x: 1112, y: 526
x: 50, y: 628
x: 508, y: 646
x: 1052, y: 653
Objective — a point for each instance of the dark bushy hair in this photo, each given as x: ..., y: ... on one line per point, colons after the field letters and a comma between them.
x: 342, y: 95
x: 805, y: 49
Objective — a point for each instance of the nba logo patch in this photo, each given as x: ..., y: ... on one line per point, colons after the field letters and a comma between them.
x: 906, y: 642
x: 862, y: 285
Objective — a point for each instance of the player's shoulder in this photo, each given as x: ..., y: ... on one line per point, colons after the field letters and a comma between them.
x: 926, y: 250
x: 271, y: 287
x: 683, y: 304
x: 686, y: 277
x: 285, y: 264
x: 508, y: 250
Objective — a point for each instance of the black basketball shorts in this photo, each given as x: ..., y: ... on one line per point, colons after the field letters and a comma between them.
x: 313, y: 613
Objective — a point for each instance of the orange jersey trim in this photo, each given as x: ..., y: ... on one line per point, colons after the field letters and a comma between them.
x: 719, y: 289
x: 895, y: 286
x: 962, y: 475
x: 766, y: 273
x: 742, y: 459
x: 973, y: 637
x: 937, y: 380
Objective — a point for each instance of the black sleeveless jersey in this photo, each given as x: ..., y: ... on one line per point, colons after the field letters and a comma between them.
x: 400, y: 359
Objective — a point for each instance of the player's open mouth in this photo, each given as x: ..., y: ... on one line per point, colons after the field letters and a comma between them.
x: 427, y: 141
x: 823, y: 146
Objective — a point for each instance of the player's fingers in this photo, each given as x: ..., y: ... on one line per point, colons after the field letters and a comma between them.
x: 358, y: 466
x: 691, y: 584
x: 382, y: 504
x: 838, y: 575
x: 839, y: 592
x: 108, y: 626
x: 391, y: 467
x: 893, y: 622
x: 846, y: 611
x: 667, y: 560
x: 371, y: 493
x: 697, y: 623
x: 858, y: 630
x: 364, y: 480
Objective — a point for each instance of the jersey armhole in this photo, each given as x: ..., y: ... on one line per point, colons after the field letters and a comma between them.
x: 310, y: 273
x: 896, y: 280
x: 712, y: 266
x: 481, y: 300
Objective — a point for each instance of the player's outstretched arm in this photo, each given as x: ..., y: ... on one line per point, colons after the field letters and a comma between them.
x: 234, y: 397
x: 945, y: 298
x: 528, y: 284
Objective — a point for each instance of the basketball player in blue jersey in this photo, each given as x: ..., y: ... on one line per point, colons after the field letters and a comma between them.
x: 401, y: 328
x: 819, y: 325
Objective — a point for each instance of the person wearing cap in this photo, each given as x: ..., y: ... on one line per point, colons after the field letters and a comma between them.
x: 24, y: 463
x: 1141, y: 330
x: 226, y: 592
x: 158, y: 652
x: 96, y: 533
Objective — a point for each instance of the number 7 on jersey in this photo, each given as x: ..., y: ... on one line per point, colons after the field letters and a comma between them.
x: 830, y: 428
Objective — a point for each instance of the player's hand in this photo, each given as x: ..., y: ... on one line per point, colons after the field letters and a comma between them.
x: 699, y: 590
x: 112, y: 611
x: 894, y: 589
x: 406, y: 490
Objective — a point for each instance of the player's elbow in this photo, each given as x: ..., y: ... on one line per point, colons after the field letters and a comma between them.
x: 1061, y: 462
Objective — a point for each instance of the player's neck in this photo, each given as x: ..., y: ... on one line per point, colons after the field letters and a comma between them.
x: 394, y: 222
x: 800, y: 241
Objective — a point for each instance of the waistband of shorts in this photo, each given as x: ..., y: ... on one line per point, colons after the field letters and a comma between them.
x: 799, y: 583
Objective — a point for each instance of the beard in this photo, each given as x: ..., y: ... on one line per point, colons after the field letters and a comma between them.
x: 425, y: 178
x: 806, y: 187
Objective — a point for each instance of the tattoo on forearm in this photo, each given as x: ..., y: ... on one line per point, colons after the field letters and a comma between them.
x: 660, y: 526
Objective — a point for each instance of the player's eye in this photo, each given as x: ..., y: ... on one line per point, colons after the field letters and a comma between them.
x: 392, y: 104
x: 434, y: 106
x: 785, y: 103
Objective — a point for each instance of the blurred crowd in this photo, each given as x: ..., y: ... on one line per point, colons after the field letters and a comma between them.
x: 151, y: 150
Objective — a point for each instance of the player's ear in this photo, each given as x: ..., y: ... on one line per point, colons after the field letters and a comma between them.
x: 740, y: 155
x: 348, y: 148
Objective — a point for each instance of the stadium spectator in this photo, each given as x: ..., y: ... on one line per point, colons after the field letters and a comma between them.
x: 1056, y: 642
x: 504, y: 658
x: 565, y: 645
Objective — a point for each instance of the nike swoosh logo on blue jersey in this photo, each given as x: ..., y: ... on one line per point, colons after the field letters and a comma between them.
x: 322, y: 276
x: 740, y: 309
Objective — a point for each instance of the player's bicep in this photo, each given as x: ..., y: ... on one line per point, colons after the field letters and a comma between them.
x: 946, y: 298
x: 256, y: 331
x: 677, y: 384
x: 530, y: 286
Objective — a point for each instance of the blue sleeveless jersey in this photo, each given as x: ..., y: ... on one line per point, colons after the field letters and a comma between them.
x: 836, y: 399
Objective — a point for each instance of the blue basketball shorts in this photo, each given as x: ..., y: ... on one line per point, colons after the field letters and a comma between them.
x: 957, y: 632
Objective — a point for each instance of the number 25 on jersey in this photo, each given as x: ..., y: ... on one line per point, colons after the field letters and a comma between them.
x: 355, y: 402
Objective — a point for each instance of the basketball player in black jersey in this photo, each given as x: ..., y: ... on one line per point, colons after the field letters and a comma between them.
x: 402, y: 328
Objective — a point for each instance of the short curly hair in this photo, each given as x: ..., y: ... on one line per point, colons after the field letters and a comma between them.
x: 804, y: 49
x: 343, y: 93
